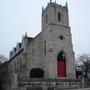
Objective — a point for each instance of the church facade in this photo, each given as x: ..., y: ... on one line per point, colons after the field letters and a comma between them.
x: 49, y: 55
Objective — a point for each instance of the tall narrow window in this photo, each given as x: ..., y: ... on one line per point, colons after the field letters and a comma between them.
x: 59, y: 17
x: 46, y: 18
x: 20, y: 65
x: 45, y: 47
x: 15, y: 66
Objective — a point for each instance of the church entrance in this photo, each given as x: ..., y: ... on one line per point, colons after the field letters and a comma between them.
x: 36, y: 73
x: 61, y: 64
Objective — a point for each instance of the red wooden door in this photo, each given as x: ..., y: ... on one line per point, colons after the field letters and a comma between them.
x: 61, y: 65
x: 61, y: 69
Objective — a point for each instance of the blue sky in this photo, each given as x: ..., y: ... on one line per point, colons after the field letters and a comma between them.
x: 20, y: 16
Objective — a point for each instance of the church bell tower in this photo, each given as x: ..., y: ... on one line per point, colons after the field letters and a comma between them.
x: 58, y: 51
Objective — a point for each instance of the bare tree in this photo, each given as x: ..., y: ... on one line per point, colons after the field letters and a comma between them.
x: 84, y: 62
x: 3, y: 70
x: 3, y: 59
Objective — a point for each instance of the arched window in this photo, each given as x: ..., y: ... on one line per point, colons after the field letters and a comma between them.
x: 59, y: 16
x: 61, y: 64
x: 61, y: 56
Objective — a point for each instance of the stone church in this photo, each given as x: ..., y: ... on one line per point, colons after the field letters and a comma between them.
x: 48, y: 56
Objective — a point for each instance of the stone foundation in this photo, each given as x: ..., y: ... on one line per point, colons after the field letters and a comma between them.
x: 49, y: 84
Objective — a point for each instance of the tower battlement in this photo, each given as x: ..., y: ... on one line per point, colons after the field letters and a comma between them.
x: 54, y: 13
x: 54, y: 4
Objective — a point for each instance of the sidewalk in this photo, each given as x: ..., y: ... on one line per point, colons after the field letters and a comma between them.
x: 80, y: 89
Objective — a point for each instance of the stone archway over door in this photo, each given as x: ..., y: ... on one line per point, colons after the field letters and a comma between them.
x: 36, y: 73
x: 61, y: 64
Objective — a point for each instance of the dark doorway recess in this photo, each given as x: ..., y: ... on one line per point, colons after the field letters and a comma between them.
x: 36, y: 73
x: 61, y: 64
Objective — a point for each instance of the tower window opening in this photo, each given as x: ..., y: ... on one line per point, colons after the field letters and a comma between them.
x: 59, y: 17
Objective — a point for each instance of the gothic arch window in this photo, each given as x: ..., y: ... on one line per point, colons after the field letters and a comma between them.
x: 61, y: 64
x: 59, y: 16
x: 61, y: 55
